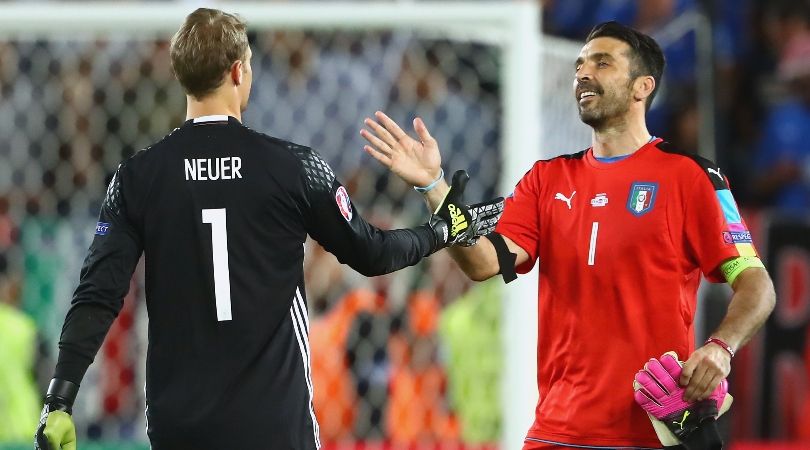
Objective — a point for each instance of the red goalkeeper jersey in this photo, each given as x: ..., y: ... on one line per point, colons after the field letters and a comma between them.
x: 621, y: 248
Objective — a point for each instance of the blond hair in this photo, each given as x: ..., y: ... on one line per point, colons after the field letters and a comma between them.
x: 205, y: 47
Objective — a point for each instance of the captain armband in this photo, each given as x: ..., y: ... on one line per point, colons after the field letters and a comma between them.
x: 506, y: 259
x: 734, y: 267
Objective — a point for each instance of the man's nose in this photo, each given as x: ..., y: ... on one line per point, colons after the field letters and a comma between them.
x: 583, y: 75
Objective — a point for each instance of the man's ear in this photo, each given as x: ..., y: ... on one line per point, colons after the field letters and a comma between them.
x: 236, y: 72
x: 643, y: 87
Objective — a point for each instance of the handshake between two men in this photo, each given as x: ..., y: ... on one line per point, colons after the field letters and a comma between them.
x: 455, y: 223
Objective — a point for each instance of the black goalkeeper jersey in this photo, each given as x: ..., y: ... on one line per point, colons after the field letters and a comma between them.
x: 221, y: 213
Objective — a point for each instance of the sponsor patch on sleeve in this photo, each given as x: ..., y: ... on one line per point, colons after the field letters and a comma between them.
x: 102, y: 228
x: 737, y: 237
x: 344, y: 203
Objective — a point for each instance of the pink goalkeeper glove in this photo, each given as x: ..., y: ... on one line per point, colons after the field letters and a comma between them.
x: 679, y: 422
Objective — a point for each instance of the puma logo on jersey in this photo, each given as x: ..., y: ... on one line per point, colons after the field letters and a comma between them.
x: 683, y: 419
x: 567, y: 200
x: 201, y: 169
x: 716, y: 172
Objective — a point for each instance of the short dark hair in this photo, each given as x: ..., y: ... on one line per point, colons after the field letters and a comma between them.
x: 646, y: 57
x: 205, y: 47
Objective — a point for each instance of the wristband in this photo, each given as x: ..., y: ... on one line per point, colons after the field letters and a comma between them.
x: 428, y: 188
x: 506, y: 259
x: 61, y: 395
x: 722, y: 344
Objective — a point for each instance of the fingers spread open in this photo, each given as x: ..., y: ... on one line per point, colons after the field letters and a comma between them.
x: 379, y: 156
x: 378, y: 144
x: 390, y: 125
x: 381, y: 132
x: 421, y: 130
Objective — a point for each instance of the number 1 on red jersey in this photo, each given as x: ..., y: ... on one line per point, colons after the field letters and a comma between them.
x: 592, y: 248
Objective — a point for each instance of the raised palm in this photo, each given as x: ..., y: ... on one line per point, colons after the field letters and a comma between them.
x: 417, y: 162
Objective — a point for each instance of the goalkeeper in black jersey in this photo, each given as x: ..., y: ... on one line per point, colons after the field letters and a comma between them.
x: 221, y: 214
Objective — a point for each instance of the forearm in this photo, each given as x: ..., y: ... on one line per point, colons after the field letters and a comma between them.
x: 750, y: 306
x: 380, y: 252
x: 84, y: 330
x: 478, y: 262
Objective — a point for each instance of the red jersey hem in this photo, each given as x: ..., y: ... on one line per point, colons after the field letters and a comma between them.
x: 601, y: 442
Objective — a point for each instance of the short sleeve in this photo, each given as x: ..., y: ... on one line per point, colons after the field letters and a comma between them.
x: 715, y: 231
x: 520, y: 220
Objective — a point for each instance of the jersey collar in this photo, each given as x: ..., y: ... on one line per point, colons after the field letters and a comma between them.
x: 596, y: 164
x: 212, y: 119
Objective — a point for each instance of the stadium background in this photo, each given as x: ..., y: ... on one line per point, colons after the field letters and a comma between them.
x: 414, y: 359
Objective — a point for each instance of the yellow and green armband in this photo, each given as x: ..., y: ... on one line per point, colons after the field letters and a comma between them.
x: 734, y: 267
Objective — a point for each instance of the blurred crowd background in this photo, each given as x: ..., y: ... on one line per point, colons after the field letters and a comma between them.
x: 414, y: 358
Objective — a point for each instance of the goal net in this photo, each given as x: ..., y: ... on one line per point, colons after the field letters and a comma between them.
x: 419, y: 357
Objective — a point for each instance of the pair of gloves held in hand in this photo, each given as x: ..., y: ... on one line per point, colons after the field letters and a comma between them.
x: 678, y: 423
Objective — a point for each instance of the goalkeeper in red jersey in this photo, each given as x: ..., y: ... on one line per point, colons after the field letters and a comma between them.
x: 624, y: 230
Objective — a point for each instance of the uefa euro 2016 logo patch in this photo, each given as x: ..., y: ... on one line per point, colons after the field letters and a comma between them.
x: 102, y: 228
x: 641, y: 198
x: 343, y: 202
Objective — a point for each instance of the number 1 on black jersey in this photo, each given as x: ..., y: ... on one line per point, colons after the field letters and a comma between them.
x: 219, y: 250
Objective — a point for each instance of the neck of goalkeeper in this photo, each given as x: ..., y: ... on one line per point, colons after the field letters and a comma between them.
x: 229, y: 99
x: 220, y: 102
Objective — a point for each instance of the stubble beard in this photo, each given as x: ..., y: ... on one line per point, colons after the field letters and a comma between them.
x: 614, y: 103
x: 611, y: 106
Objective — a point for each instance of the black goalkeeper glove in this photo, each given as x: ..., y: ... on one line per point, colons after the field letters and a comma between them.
x: 56, y: 430
x: 455, y: 223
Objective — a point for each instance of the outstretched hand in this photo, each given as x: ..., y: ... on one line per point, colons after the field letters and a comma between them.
x: 417, y: 162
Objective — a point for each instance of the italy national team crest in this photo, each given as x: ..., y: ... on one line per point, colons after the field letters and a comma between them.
x: 642, y: 198
x: 344, y: 204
